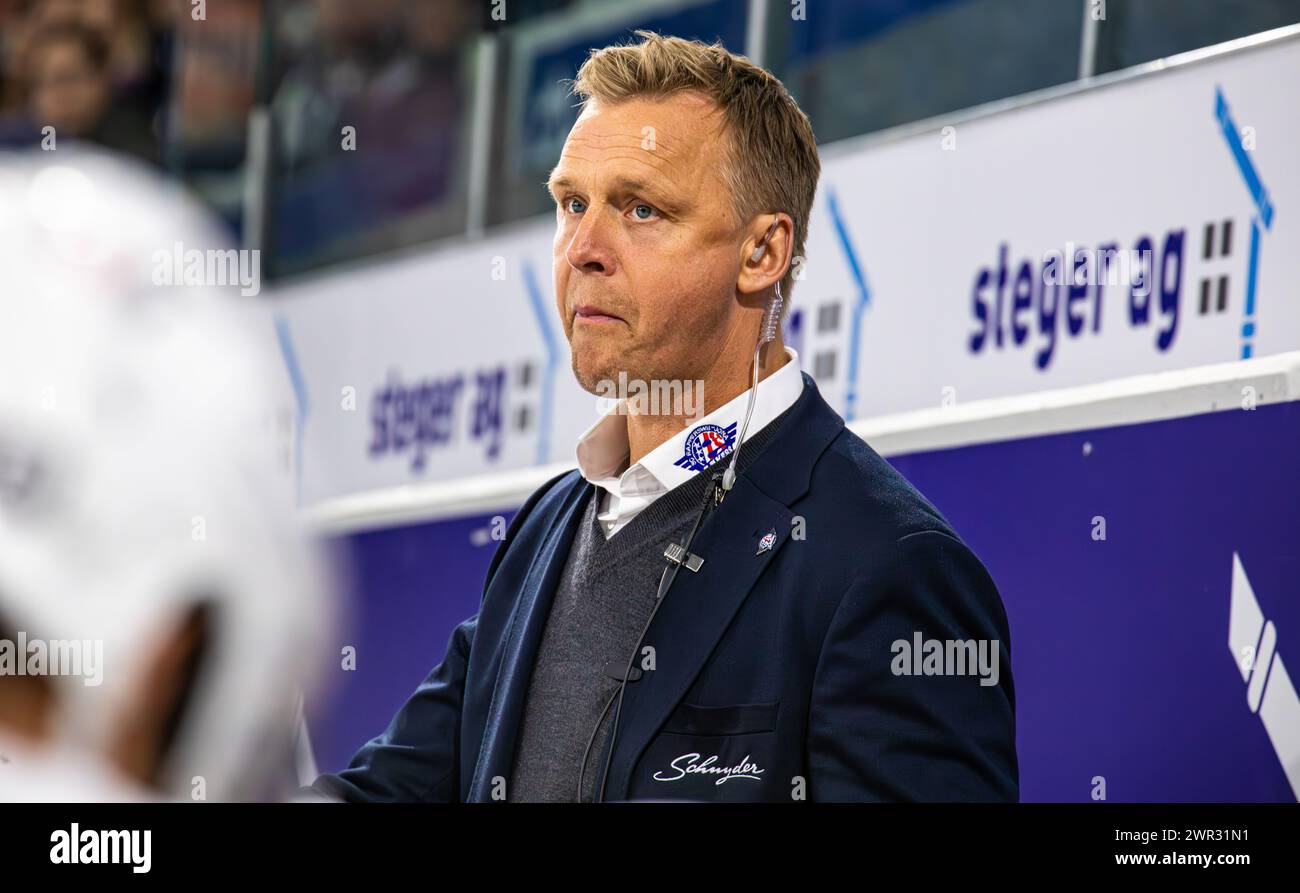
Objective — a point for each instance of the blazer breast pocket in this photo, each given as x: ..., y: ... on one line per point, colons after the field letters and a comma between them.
x: 738, y: 719
x: 714, y: 753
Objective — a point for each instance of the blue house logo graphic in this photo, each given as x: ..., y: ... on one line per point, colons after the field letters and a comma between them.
x: 1263, y: 214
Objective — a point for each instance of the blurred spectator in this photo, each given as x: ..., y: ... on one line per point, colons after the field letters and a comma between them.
x: 92, y: 69
x: 214, y: 66
x: 399, y: 75
x: 352, y: 46
x: 71, y: 90
x: 214, y: 90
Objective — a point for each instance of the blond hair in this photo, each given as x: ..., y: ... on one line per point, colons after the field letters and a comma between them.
x: 771, y: 155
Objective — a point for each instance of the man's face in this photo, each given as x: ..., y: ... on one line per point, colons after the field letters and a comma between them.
x: 646, y: 248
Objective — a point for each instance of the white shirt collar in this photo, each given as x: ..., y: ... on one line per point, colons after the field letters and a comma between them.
x: 603, y: 448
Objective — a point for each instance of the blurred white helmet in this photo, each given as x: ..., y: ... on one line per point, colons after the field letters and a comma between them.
x: 145, y: 434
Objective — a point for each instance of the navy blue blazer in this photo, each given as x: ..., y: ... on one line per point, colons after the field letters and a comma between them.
x: 827, y: 667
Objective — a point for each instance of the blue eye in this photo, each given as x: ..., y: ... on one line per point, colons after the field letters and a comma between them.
x: 570, y: 205
x: 640, y: 216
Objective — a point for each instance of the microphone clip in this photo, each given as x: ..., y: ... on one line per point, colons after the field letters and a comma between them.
x: 679, y: 556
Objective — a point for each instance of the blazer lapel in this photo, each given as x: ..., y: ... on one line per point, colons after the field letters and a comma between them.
x: 523, y: 638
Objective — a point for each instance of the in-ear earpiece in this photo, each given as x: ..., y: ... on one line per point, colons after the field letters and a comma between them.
x: 761, y: 248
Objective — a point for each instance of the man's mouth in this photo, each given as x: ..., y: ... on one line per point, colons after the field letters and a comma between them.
x: 592, y: 314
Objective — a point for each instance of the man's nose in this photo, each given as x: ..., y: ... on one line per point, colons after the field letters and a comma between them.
x: 589, y: 250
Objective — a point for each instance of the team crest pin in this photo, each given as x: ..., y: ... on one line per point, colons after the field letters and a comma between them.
x: 767, y: 542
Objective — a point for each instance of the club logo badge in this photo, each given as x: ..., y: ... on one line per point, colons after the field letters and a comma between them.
x: 707, y: 444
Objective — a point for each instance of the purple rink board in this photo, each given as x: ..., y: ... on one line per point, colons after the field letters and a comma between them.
x: 1119, y: 646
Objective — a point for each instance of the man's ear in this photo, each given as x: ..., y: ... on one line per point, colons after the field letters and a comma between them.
x: 771, y: 237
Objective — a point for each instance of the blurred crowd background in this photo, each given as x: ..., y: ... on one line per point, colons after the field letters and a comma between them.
x: 459, y: 108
